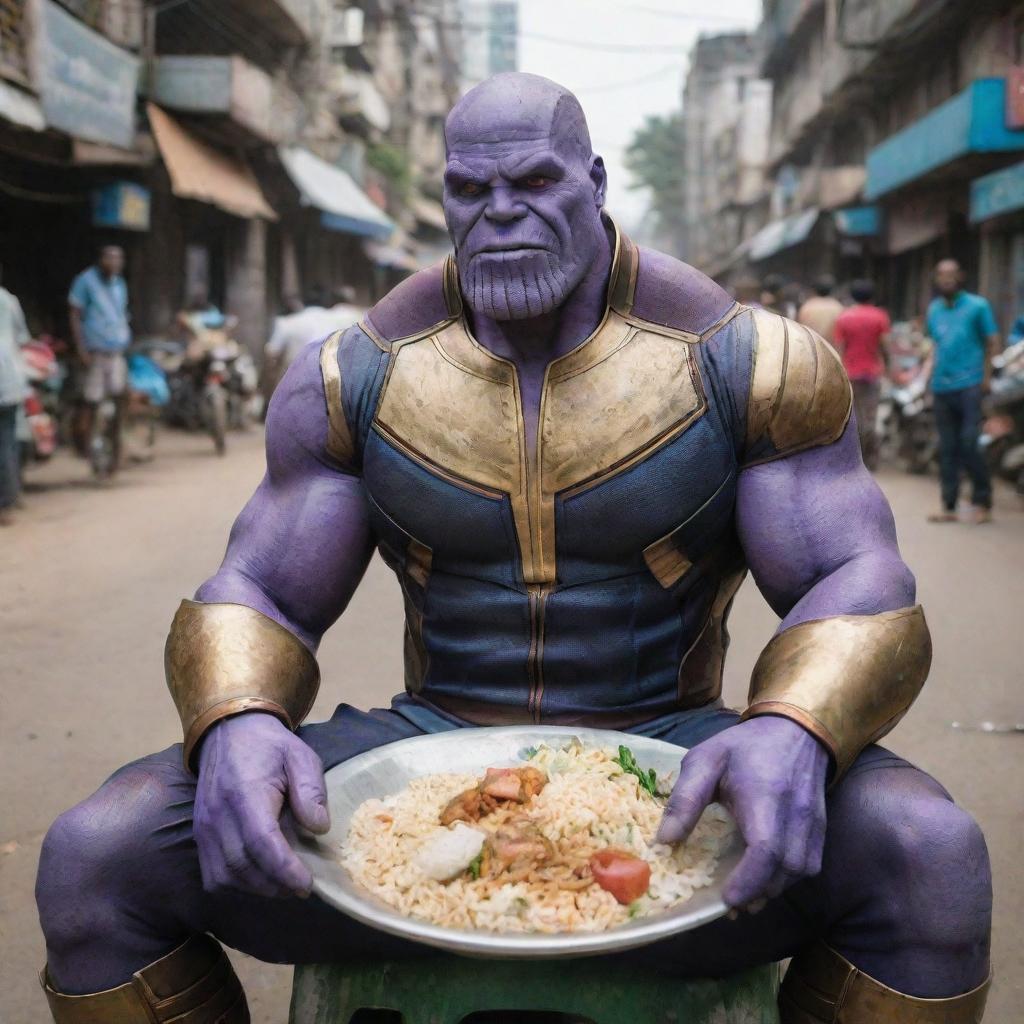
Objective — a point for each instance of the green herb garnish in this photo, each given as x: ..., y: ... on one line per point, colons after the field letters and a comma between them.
x: 474, y: 866
x: 627, y: 762
x: 635, y: 908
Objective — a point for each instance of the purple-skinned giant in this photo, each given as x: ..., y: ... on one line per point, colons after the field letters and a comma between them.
x: 523, y: 203
x: 523, y: 198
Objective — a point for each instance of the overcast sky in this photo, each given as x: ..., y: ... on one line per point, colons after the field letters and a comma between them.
x: 628, y: 61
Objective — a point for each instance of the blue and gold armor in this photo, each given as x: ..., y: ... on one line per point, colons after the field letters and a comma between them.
x: 587, y: 579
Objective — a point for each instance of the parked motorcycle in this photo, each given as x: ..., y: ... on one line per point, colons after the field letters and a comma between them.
x: 1002, y: 436
x: 906, y: 417
x: 37, y: 428
x: 199, y: 374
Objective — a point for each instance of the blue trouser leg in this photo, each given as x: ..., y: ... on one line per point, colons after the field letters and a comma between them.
x: 10, y: 482
x: 947, y: 420
x: 120, y: 886
x: 970, y: 452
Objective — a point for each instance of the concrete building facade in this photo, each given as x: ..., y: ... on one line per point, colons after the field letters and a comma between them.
x: 885, y: 115
x: 726, y: 111
x: 251, y: 150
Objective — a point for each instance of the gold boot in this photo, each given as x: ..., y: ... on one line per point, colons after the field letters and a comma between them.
x: 821, y: 987
x: 195, y: 984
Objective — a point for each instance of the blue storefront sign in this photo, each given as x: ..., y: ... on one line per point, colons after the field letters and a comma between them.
x: 87, y: 85
x: 996, y: 194
x: 121, y: 204
x: 972, y: 122
x: 859, y: 221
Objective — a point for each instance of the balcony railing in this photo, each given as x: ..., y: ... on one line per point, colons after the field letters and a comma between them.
x: 230, y: 87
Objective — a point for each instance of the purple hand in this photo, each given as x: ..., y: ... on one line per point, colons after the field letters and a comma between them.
x: 248, y: 766
x: 770, y: 773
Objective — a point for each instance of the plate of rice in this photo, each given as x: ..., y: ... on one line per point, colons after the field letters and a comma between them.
x: 528, y: 841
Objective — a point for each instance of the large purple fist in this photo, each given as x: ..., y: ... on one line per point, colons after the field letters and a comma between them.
x: 770, y: 773
x: 249, y: 766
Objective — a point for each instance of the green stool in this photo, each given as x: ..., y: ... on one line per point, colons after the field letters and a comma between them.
x: 445, y: 989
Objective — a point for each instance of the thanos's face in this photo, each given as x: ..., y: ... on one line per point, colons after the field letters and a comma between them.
x: 523, y: 196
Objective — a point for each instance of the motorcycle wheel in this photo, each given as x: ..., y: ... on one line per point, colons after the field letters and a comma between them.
x: 217, y: 410
x: 102, y: 446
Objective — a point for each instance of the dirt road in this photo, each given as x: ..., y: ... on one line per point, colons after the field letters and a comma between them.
x: 89, y: 580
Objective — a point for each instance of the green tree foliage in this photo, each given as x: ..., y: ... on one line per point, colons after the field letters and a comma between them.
x: 393, y: 164
x: 654, y: 159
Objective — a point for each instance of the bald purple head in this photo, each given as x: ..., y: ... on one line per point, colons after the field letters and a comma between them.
x: 523, y: 195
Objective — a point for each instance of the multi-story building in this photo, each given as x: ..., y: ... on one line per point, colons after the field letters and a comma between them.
x: 884, y: 113
x: 249, y: 150
x: 490, y: 30
x: 726, y: 107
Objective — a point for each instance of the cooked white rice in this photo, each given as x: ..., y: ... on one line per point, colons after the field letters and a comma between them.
x: 589, y: 804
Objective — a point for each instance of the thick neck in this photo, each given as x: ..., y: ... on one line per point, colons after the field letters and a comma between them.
x: 532, y: 344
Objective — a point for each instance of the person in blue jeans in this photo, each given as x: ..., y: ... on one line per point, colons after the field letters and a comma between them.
x: 963, y: 330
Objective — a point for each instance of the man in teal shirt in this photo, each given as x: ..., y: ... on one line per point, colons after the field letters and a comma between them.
x: 100, y: 326
x: 964, y: 333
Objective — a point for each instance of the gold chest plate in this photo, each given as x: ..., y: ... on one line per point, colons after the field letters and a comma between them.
x: 456, y: 409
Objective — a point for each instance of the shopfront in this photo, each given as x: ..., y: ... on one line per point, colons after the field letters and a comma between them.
x: 997, y: 210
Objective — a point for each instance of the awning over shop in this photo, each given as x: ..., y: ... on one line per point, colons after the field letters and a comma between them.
x: 20, y: 108
x: 997, y: 194
x: 859, y: 221
x: 783, y: 234
x: 343, y: 205
x: 972, y: 122
x: 198, y: 171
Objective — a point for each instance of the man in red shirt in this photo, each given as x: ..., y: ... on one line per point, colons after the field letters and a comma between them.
x: 861, y: 336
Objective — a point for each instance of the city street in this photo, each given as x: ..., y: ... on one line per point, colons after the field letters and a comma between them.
x: 90, y: 577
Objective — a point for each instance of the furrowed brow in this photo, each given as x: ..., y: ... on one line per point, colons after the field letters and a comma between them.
x: 455, y: 171
x: 545, y: 164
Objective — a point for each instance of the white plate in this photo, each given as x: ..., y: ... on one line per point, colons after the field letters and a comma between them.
x: 386, y: 770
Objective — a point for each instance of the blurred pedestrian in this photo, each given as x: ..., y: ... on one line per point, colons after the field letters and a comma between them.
x: 861, y: 335
x: 773, y: 297
x: 13, y: 391
x: 101, y: 330
x: 964, y: 335
x: 821, y: 311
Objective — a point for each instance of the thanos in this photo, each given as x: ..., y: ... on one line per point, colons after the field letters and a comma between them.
x: 570, y: 450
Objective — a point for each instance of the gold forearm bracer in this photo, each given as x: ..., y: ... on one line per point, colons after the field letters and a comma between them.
x: 848, y: 679
x: 222, y: 659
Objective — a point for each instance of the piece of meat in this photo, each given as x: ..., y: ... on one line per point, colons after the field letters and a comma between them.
x: 534, y: 780
x: 498, y: 786
x: 503, y: 784
x: 467, y: 806
x: 520, y: 844
x: 626, y: 876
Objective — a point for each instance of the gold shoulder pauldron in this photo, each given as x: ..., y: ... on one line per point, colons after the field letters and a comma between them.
x: 800, y: 396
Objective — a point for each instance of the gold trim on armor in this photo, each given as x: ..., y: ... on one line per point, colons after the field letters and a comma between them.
x: 339, y: 437
x: 222, y: 659
x: 194, y: 984
x: 822, y: 987
x: 800, y: 396
x: 456, y: 409
x: 847, y: 679
x: 666, y: 558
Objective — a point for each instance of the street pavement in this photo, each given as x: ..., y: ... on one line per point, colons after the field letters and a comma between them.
x: 90, y: 577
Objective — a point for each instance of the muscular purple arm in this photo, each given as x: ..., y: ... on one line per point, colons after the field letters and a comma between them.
x: 821, y: 541
x: 307, y: 520
x: 297, y: 552
x: 819, y: 536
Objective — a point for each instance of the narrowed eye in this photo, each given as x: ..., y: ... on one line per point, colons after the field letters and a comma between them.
x: 470, y: 188
x: 536, y: 181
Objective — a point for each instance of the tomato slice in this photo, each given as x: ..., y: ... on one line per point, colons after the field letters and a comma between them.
x: 624, y: 875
